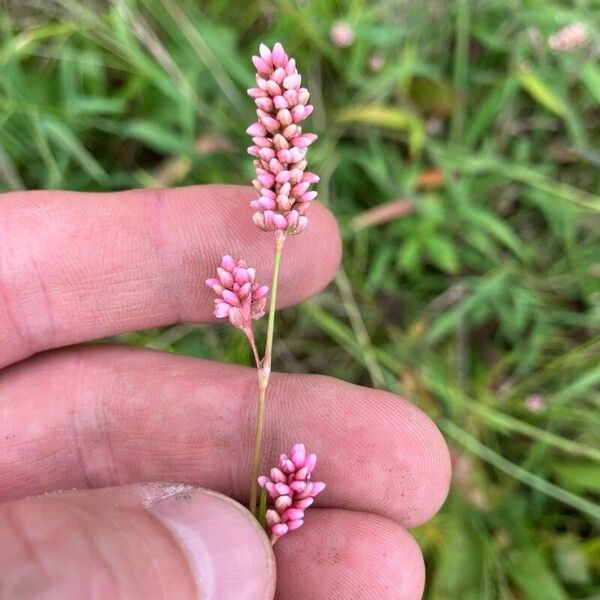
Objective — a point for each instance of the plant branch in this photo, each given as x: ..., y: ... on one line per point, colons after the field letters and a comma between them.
x: 250, y: 335
x: 264, y: 373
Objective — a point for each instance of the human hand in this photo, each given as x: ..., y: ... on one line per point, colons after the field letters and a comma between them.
x: 76, y: 267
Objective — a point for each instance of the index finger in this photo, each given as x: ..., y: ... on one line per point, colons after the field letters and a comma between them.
x: 80, y: 266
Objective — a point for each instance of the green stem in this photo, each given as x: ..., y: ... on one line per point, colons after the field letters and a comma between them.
x: 264, y: 373
x: 250, y: 335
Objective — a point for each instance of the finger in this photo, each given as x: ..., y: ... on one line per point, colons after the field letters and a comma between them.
x: 144, y: 541
x: 76, y: 266
x: 106, y: 416
x: 344, y: 555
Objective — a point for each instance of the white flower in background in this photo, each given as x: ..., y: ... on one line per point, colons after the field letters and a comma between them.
x: 568, y: 38
x: 341, y: 34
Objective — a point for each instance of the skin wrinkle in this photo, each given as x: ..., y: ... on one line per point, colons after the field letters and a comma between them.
x: 146, y: 544
x: 15, y: 324
x: 162, y: 250
x: 66, y: 520
x: 32, y: 551
x: 78, y: 444
x: 84, y: 404
x: 46, y: 301
x: 116, y: 548
x: 84, y: 532
x: 104, y: 420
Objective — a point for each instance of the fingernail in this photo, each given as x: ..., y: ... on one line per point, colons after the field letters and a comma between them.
x: 230, y: 554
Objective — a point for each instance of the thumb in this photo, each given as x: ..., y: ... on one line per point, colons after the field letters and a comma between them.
x: 138, y: 541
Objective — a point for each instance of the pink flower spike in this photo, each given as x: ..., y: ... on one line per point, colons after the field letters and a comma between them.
x: 239, y: 297
x: 280, y: 145
x: 292, y: 496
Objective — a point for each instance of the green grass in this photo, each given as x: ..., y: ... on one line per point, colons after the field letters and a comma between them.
x: 484, y: 292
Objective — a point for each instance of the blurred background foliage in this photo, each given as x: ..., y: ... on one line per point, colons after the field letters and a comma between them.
x: 459, y: 149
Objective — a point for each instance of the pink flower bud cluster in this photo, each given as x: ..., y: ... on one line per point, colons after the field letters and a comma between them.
x: 279, y: 144
x: 291, y: 489
x: 239, y: 297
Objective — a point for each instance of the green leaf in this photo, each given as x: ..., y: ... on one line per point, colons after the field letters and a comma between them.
x: 529, y: 570
x: 590, y: 75
x: 487, y: 221
x: 571, y: 560
x: 159, y: 138
x: 547, y: 97
x: 409, y: 256
x: 388, y: 117
x: 460, y: 565
x: 491, y: 107
x: 66, y: 140
x: 541, y: 92
x: 97, y: 105
x: 579, y: 477
x: 442, y: 253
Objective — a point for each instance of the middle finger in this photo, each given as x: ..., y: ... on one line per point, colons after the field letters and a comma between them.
x: 103, y: 416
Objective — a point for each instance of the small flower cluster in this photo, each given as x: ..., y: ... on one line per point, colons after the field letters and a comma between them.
x: 568, y: 38
x: 535, y: 403
x: 291, y: 489
x: 280, y: 146
x: 239, y: 297
x: 342, y: 34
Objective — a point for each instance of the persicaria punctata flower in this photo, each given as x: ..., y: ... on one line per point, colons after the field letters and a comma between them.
x: 239, y: 297
x: 291, y: 490
x: 280, y: 145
